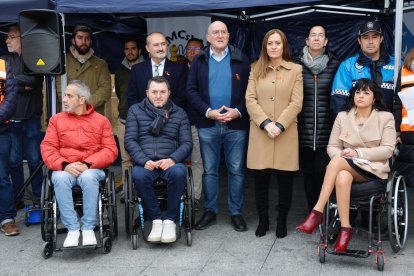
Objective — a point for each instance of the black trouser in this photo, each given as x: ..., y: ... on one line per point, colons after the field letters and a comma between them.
x: 261, y: 189
x: 314, y: 166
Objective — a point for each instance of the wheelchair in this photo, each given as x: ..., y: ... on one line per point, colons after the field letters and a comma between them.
x: 134, y: 212
x: 107, y: 215
x: 389, y: 203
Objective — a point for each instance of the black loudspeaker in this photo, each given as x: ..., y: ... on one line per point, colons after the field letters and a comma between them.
x: 42, y: 40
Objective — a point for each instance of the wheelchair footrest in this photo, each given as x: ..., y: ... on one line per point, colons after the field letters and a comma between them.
x: 351, y: 253
x: 63, y: 230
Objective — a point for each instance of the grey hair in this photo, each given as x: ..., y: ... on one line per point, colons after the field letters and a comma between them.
x: 82, y: 89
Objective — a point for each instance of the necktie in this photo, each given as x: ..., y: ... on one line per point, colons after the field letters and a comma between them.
x: 156, y: 72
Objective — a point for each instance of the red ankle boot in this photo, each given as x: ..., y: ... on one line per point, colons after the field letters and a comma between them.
x: 312, y: 221
x: 343, y: 239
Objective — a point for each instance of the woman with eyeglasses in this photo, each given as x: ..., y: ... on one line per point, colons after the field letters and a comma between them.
x: 361, y: 142
x: 315, y: 120
x: 273, y: 100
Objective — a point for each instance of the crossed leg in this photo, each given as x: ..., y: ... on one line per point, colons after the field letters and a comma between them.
x: 339, y: 175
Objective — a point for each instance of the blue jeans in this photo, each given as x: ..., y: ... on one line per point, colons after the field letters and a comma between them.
x: 89, y: 183
x: 7, y: 210
x: 175, y: 177
x: 234, y: 143
x: 26, y: 138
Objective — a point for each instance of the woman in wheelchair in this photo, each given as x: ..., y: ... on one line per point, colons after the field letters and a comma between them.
x: 361, y: 142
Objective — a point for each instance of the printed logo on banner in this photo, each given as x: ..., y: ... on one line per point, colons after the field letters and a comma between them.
x: 173, y: 38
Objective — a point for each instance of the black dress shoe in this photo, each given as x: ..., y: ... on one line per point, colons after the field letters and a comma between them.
x: 208, y: 218
x: 238, y: 223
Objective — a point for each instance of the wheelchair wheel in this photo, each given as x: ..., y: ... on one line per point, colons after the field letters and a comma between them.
x: 397, y: 213
x: 47, y: 250
x: 322, y: 253
x: 127, y: 195
x: 45, y: 214
x: 380, y: 260
x: 134, y: 241
x: 106, y: 245
x: 190, y: 213
x: 188, y: 238
x: 111, y: 208
x: 188, y: 217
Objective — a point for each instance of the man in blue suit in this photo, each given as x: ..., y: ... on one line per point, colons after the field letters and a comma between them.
x: 157, y: 65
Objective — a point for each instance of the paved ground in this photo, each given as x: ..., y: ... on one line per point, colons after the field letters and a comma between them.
x: 218, y: 250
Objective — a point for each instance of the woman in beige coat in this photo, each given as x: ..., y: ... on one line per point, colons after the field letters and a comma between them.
x: 362, y: 140
x: 273, y: 100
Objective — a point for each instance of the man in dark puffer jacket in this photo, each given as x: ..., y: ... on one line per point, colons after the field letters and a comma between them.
x: 158, y: 139
x: 315, y: 121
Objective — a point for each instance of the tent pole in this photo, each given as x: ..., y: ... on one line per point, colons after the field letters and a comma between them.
x: 398, y: 36
x: 63, y: 78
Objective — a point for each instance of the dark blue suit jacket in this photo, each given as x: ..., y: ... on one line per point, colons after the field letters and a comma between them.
x: 141, y: 73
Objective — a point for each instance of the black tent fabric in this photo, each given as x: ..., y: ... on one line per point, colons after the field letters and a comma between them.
x: 131, y: 6
x: 10, y: 9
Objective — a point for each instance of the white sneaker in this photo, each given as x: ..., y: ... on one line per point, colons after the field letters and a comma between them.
x: 168, y: 231
x: 72, y: 239
x: 156, y: 231
x: 88, y: 237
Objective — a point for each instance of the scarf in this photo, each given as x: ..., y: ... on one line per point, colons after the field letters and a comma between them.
x: 81, y: 58
x: 161, y: 116
x: 315, y: 65
x: 374, y: 66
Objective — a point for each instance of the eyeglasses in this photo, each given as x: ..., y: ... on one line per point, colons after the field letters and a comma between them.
x: 219, y: 32
x: 11, y: 37
x: 193, y: 49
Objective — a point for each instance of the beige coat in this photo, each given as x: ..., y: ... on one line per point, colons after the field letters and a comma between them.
x: 278, y: 97
x: 95, y: 74
x: 374, y: 141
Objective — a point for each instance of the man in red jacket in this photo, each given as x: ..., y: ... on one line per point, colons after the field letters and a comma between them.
x: 77, y: 146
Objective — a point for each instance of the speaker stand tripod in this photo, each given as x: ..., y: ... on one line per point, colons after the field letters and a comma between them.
x: 32, y: 212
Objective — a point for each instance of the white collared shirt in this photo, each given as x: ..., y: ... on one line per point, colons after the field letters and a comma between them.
x: 160, y: 68
x: 221, y: 57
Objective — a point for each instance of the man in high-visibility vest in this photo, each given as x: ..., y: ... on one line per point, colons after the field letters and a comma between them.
x: 8, y: 94
x: 403, y: 124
